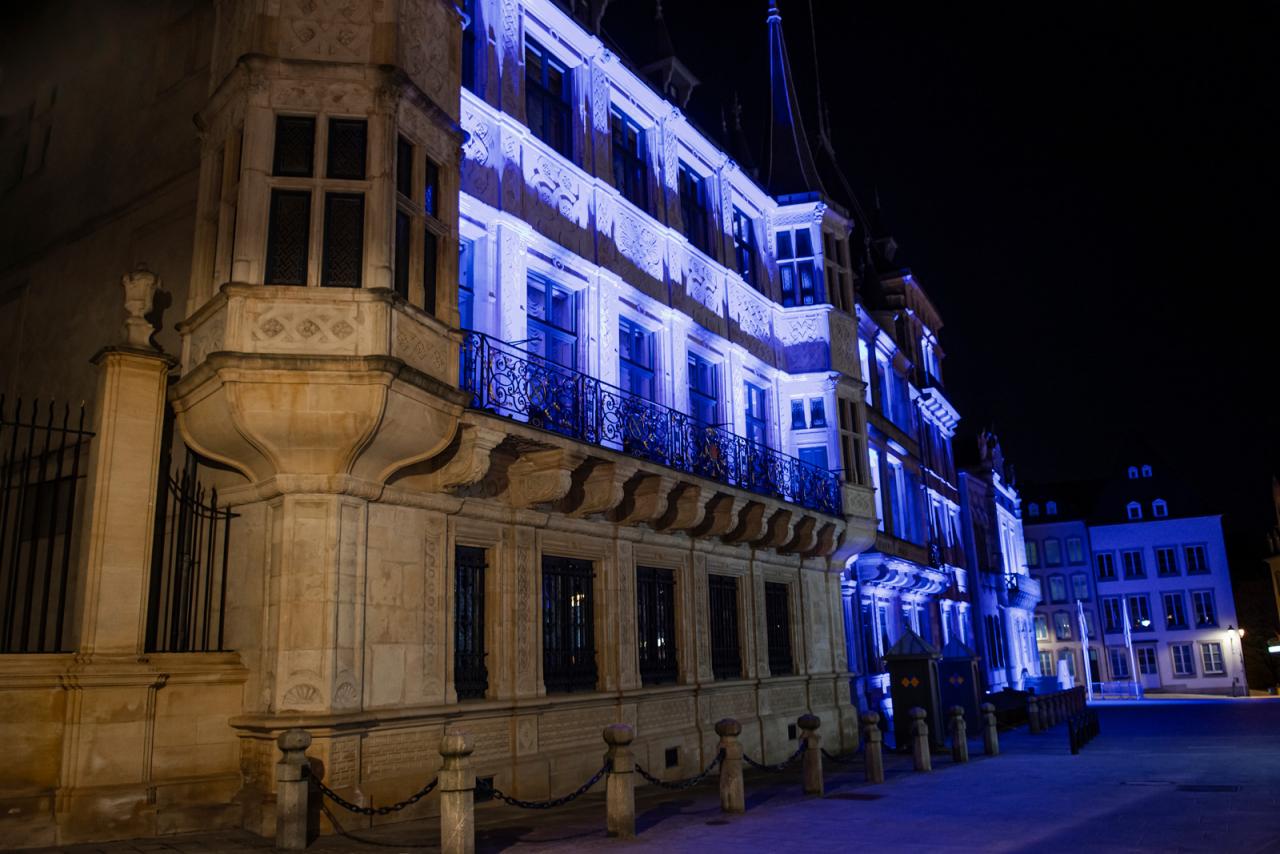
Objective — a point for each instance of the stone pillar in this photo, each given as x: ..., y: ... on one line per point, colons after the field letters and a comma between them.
x: 959, y: 735
x: 920, y: 756
x: 990, y: 735
x: 620, y: 784
x: 293, y: 783
x: 457, y: 794
x: 1033, y: 714
x: 732, y: 799
x: 812, y: 753
x: 873, y: 747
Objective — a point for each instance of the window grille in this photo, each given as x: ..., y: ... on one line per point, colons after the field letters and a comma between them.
x: 777, y: 609
x: 568, y: 625
x: 656, y: 624
x: 470, y: 672
x: 726, y: 653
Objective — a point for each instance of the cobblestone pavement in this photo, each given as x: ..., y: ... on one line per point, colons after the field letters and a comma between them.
x: 1164, y: 775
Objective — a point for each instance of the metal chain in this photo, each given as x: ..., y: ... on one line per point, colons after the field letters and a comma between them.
x: 848, y: 759
x: 781, y: 766
x: 489, y: 789
x: 387, y: 810
x: 681, y: 784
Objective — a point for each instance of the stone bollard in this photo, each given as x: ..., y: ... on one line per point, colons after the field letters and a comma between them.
x: 732, y: 799
x: 872, y: 748
x: 620, y: 783
x: 959, y: 735
x: 990, y: 735
x: 812, y: 758
x: 457, y: 794
x: 1033, y: 714
x: 920, y: 740
x: 293, y: 784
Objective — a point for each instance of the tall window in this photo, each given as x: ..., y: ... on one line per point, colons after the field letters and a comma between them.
x: 1042, y: 627
x: 1069, y: 657
x: 1046, y: 663
x: 1062, y: 625
x: 418, y: 213
x: 548, y: 94
x: 568, y: 625
x: 470, y: 674
x: 704, y: 400
x: 466, y: 284
x: 726, y: 654
x: 1175, y: 611
x: 630, y: 171
x: 1184, y: 660
x: 1057, y: 588
x: 1033, y: 553
x: 1080, y: 586
x: 1140, y: 613
x: 1075, y: 550
x: 1146, y: 656
x: 1119, y: 663
x: 1106, y: 562
x: 693, y: 207
x: 799, y: 276
x: 656, y: 624
x: 836, y: 255
x: 635, y: 359
x: 553, y: 322
x: 1211, y: 658
x: 757, y: 413
x: 1132, y: 560
x: 1197, y: 560
x: 777, y: 610
x: 1052, y: 552
x: 744, y: 247
x: 1166, y: 561
x: 1203, y: 608
x: 1112, y: 620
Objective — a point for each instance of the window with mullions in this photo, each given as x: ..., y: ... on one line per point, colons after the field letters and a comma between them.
x: 1132, y: 560
x: 553, y: 322
x: 470, y: 673
x: 726, y: 651
x: 1062, y: 625
x: 757, y: 413
x: 1197, y: 560
x: 1052, y: 552
x: 744, y: 247
x: 630, y: 170
x: 1175, y: 611
x: 1106, y: 562
x: 704, y: 401
x: 1080, y: 586
x: 1202, y: 606
x: 1140, y: 613
x: 1057, y: 588
x: 466, y: 284
x: 1075, y: 550
x: 417, y: 214
x: 568, y: 625
x: 1211, y: 658
x: 777, y: 610
x: 1119, y: 663
x: 693, y: 207
x: 1184, y: 662
x: 635, y: 359
x: 1112, y: 621
x: 1042, y: 627
x: 1166, y: 561
x: 798, y: 274
x: 656, y: 624
x: 548, y: 94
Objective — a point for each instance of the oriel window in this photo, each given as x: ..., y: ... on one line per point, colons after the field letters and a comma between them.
x: 744, y: 247
x: 799, y: 277
x: 548, y: 96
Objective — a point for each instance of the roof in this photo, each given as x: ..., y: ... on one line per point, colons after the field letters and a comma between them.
x: 911, y: 645
x: 789, y: 165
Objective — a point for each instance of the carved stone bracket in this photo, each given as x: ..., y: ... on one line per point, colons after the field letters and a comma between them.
x: 750, y: 524
x: 777, y: 531
x: 597, y: 487
x: 720, y: 516
x: 824, y: 541
x: 685, y: 509
x: 802, y: 537
x: 542, y: 476
x: 465, y: 462
x: 644, y: 498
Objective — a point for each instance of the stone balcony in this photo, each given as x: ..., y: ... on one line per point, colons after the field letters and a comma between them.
x: 1020, y: 591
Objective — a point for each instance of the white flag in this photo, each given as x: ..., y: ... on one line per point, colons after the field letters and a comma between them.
x: 1084, y: 650
x: 1128, y: 631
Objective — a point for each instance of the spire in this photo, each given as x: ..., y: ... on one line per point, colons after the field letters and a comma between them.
x: 790, y: 167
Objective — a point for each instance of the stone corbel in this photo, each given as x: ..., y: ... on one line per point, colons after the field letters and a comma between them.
x: 463, y: 463
x: 644, y: 498
x: 777, y: 531
x: 825, y: 541
x: 685, y: 509
x: 750, y: 524
x: 720, y: 515
x: 597, y: 487
x: 802, y: 537
x: 543, y: 476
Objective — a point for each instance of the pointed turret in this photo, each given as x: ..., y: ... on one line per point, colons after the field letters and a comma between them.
x: 789, y: 165
x: 665, y: 70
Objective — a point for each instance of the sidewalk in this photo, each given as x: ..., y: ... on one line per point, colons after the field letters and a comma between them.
x: 1199, y: 776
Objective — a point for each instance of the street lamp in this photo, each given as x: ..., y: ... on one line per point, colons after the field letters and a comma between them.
x: 1238, y: 635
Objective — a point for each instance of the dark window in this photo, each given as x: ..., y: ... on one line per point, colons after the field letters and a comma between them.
x: 348, y: 142
x: 817, y: 412
x: 1197, y: 560
x: 756, y: 413
x: 726, y: 654
x: 777, y: 610
x: 656, y: 624
x: 1166, y: 561
x: 547, y: 95
x: 403, y: 235
x: 1106, y: 566
x: 1175, y: 611
x: 630, y: 173
x: 404, y: 167
x: 431, y: 190
x: 466, y: 288
x: 568, y: 625
x: 470, y: 674
x: 288, y: 237
x: 1133, y: 567
x: 797, y: 415
x: 693, y: 207
x: 814, y: 455
x: 744, y: 246
x: 704, y: 405
x: 295, y: 146
x: 343, y: 255
x: 430, y: 251
x: 553, y: 322
x: 798, y: 275
x: 1111, y: 619
x: 635, y: 359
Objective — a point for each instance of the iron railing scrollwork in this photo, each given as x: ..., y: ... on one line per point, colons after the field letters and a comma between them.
x: 517, y: 384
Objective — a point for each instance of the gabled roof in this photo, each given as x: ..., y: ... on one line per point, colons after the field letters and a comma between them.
x: 911, y: 645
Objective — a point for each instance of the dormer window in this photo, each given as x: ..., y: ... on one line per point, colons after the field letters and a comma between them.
x: 1134, y: 510
x: 1033, y: 509
x: 1133, y: 472
x: 1146, y: 471
x: 1159, y: 508
x: 1051, y: 508
x: 800, y: 279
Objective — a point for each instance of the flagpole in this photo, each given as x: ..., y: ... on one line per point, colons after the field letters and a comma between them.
x: 1128, y: 642
x: 1084, y: 650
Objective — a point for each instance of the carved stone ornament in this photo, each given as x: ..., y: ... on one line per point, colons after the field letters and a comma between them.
x: 139, y: 295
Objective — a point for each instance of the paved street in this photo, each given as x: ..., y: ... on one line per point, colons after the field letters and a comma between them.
x: 1196, y: 775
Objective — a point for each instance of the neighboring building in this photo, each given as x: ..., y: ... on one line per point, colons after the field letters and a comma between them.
x: 1156, y: 555
x: 535, y: 412
x: 1004, y: 593
x: 1273, y: 548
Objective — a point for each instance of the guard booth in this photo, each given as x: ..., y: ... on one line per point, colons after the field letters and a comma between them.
x: 913, y: 681
x: 958, y: 682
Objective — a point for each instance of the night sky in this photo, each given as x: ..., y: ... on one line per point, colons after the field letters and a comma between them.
x: 1087, y: 192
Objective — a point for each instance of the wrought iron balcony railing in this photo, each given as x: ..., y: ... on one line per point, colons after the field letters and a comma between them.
x: 520, y: 385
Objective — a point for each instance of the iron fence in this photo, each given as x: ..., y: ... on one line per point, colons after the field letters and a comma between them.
x: 42, y: 461
x: 517, y: 384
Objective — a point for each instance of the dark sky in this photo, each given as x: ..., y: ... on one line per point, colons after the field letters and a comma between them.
x: 1086, y: 191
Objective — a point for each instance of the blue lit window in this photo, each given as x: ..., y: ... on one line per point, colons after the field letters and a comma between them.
x: 1057, y: 588
x: 1080, y: 586
x: 815, y: 455
x: 630, y: 171
x: 1203, y: 608
x: 817, y: 412
x: 466, y: 285
x: 797, y: 414
x: 1197, y: 560
x: 547, y: 97
x: 693, y: 207
x: 1134, y: 510
x: 744, y: 247
x: 1119, y: 663
x: 1131, y: 559
x: 704, y: 404
x: 757, y: 412
x: 1033, y: 510
x: 799, y: 276
x: 1159, y: 508
x: 1139, y: 613
x: 635, y: 359
x: 553, y: 322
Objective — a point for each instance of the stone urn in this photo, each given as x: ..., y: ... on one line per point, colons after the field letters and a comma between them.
x: 139, y: 295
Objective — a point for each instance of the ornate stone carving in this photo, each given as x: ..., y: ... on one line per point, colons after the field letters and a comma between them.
x: 539, y: 477
x: 139, y: 294
x: 750, y: 524
x: 750, y: 311
x: 285, y: 327
x: 644, y: 498
x: 684, y: 509
x: 777, y: 530
x: 637, y: 242
x: 208, y: 338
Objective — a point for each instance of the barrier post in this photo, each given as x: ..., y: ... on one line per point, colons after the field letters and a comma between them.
x: 990, y: 735
x: 292, y: 789
x: 873, y: 748
x: 920, y: 756
x: 620, y: 785
x: 959, y: 735
x: 457, y: 794
x: 809, y: 724
x: 732, y: 799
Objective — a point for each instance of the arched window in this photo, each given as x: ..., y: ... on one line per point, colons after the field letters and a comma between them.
x: 1134, y: 509
x: 1051, y: 508
x: 1159, y: 508
x: 1033, y: 509
x: 1133, y: 472
x: 1146, y: 471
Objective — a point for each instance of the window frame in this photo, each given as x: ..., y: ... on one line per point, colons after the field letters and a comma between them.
x: 1110, y: 561
x: 630, y: 166
x: 554, y: 108
x: 724, y: 604
x: 1203, y: 551
x: 746, y: 250
x: 1198, y: 596
x: 1210, y: 670
x: 658, y: 668
x: 575, y: 675
x: 695, y: 207
x: 1188, y: 649
x: 777, y: 608
x: 1167, y: 596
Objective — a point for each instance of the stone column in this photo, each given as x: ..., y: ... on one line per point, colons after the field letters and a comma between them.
x: 732, y: 799
x: 920, y: 756
x: 959, y: 735
x: 990, y: 735
x: 812, y: 753
x: 293, y: 783
x: 457, y: 794
x: 873, y: 747
x: 620, y: 785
